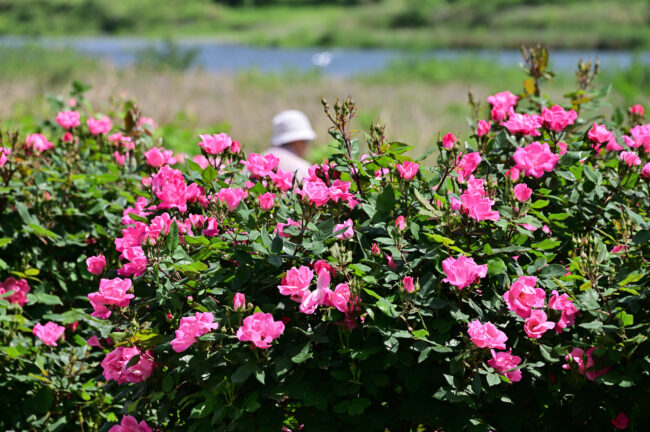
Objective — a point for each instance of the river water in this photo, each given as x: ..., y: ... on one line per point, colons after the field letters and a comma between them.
x: 219, y: 56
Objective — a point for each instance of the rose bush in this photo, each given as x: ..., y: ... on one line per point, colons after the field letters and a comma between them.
x: 62, y: 197
x: 503, y: 288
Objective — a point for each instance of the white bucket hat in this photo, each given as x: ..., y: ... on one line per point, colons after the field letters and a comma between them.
x: 290, y: 126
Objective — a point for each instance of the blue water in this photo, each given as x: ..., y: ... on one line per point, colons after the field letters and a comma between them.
x: 227, y: 57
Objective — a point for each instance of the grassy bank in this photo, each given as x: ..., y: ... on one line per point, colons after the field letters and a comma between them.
x: 411, y: 24
x: 417, y: 100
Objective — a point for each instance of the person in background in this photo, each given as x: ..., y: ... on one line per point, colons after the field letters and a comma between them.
x: 292, y: 134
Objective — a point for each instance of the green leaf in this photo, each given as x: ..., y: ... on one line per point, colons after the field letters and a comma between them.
x: 241, y: 374
x: 493, y: 379
x: 496, y: 266
x: 172, y: 238
x: 303, y: 355
x: 47, y: 299
x: 4, y: 241
x: 357, y: 406
x: 540, y: 204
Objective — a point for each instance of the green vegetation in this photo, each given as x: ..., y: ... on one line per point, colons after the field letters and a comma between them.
x: 412, y: 24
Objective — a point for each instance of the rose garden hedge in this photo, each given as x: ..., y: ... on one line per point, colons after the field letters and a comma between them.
x: 503, y: 287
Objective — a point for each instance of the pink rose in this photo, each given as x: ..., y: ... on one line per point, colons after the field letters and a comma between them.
x: 261, y: 166
x: 215, y: 144
x: 407, y: 170
x: 96, y: 264
x: 239, y: 301
x: 562, y: 147
x: 599, y: 134
x: 68, y: 119
x: 158, y: 156
x: 522, y: 296
x: 407, y: 284
x: 347, y: 226
x: 486, y: 335
x: 4, y: 153
x: 577, y: 356
x: 535, y: 159
x: 506, y: 364
x: 448, y: 141
x: 19, y: 288
x: 232, y: 197
x: 266, y: 200
x: 400, y: 223
x: 467, y: 165
x: 115, y: 362
x: 283, y: 180
x: 502, y: 104
x: 522, y: 192
x: 316, y: 192
x: 235, y: 147
x: 637, y: 110
x: 119, y: 159
x: 321, y: 296
x: 38, y: 142
x: 630, y: 158
x: 536, y: 324
x: 101, y: 126
x: 483, y: 128
x: 375, y: 249
x: 524, y: 124
x: 340, y: 298
x: 565, y: 305
x: 280, y: 227
x: 641, y: 135
x: 462, y: 271
x: 296, y: 282
x: 130, y: 424
x: 556, y: 118
x: 260, y: 329
x: 191, y: 328
x: 621, y: 421
x: 48, y: 333
x: 142, y: 121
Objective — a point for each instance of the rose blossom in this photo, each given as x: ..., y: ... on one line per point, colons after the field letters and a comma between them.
x: 261, y: 166
x: 114, y: 365
x: 557, y: 118
x: 486, y: 335
x: 522, y: 192
x: 502, y: 104
x: 621, y: 421
x: 19, y: 287
x: 637, y: 110
x: 562, y: 147
x: 266, y: 200
x: 536, y: 324
x: 4, y: 152
x: 68, y: 119
x: 130, y: 424
x: 630, y: 158
x: 407, y: 284
x: 641, y: 135
x: 232, y: 197
x: 260, y: 329
x: 158, y: 156
x: 564, y: 304
x: 577, y: 356
x: 467, y: 165
x: 599, y: 134
x: 505, y: 363
x: 348, y: 233
x: 96, y: 264
x: 448, y: 141
x: 38, y: 142
x: 524, y: 124
x: 407, y: 170
x: 535, y: 159
x: 522, y: 296
x: 239, y: 301
x: 48, y: 333
x: 400, y: 223
x: 483, y: 128
x: 296, y: 282
x: 101, y: 126
x: 462, y: 271
x: 215, y: 144
x: 191, y: 328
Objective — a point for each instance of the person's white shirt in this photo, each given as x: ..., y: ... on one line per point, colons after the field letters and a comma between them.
x: 289, y: 161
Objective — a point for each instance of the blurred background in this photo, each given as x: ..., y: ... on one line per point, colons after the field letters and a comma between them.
x: 209, y: 66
